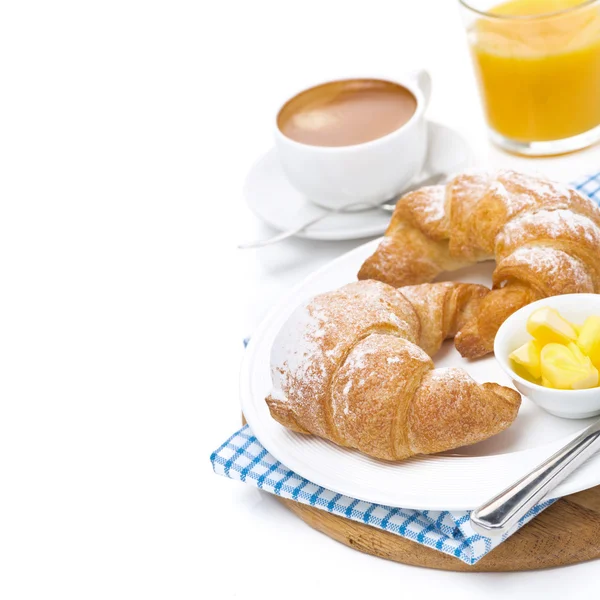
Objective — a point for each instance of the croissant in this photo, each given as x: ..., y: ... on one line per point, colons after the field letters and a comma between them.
x: 353, y: 366
x: 544, y: 236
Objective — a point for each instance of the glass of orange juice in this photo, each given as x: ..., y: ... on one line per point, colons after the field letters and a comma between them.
x: 538, y: 67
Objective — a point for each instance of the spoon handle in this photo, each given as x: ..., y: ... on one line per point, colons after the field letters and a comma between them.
x: 290, y: 232
x: 500, y: 514
x: 283, y: 235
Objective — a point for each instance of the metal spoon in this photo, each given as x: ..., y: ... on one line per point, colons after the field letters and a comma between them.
x: 354, y: 207
x: 500, y: 514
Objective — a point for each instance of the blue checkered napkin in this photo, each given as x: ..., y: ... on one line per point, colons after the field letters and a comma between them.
x: 243, y: 457
x: 590, y: 185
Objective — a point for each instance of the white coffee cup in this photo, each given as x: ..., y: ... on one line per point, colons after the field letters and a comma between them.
x: 371, y: 172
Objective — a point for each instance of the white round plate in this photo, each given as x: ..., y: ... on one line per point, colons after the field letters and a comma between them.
x: 456, y: 480
x: 273, y: 199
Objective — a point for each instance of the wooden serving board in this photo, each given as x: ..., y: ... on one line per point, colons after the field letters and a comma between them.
x: 566, y: 533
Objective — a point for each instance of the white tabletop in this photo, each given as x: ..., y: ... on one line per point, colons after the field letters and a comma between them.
x: 126, y: 131
x: 322, y: 40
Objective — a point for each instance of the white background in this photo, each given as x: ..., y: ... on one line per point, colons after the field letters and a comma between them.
x: 126, y: 130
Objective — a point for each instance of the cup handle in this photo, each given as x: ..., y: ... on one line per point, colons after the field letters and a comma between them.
x: 422, y: 78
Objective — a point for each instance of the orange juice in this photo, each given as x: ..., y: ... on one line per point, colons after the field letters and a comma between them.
x: 539, y: 72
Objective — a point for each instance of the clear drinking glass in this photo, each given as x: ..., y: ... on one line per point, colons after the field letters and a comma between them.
x: 538, y: 67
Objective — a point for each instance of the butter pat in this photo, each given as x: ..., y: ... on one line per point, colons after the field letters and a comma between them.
x: 528, y: 356
x: 588, y: 339
x: 547, y: 326
x: 565, y: 367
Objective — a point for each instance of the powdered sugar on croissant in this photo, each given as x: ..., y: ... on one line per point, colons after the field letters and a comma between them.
x: 352, y: 366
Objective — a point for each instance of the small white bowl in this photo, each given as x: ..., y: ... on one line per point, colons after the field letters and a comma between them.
x: 571, y: 404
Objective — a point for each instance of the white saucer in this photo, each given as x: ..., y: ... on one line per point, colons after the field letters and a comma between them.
x: 274, y: 200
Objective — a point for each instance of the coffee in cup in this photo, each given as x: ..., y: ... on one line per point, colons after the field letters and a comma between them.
x: 346, y: 113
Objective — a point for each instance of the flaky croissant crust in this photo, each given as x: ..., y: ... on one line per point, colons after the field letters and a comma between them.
x: 353, y: 366
x: 544, y: 236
